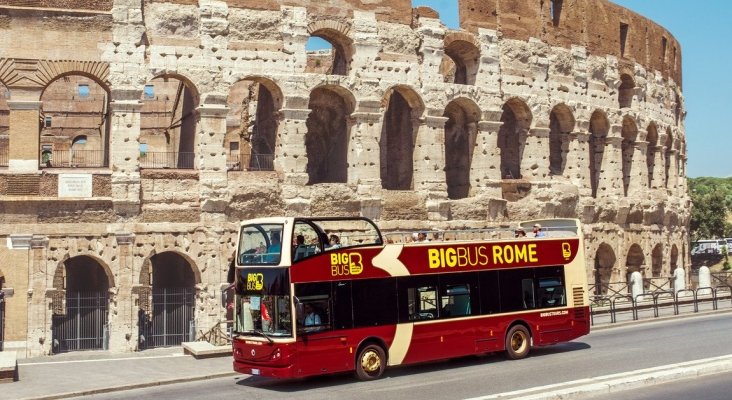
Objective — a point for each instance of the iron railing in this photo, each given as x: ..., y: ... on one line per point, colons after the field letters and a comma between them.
x: 172, y: 319
x: 250, y: 162
x: 84, y: 327
x: 73, y: 159
x: 167, y: 159
x: 4, y: 157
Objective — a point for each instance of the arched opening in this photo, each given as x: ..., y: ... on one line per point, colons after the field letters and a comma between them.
x: 635, y: 261
x: 329, y: 52
x: 630, y: 135
x: 604, y: 264
x: 669, y: 154
x: 326, y: 140
x: 82, y: 324
x: 168, y: 122
x: 626, y: 91
x: 657, y: 261
x: 674, y: 262
x: 561, y: 124
x: 169, y: 321
x: 251, y: 126
x: 398, y: 135
x: 599, y: 127
x: 652, y: 140
x: 460, y: 63
x: 516, y: 119
x: 461, y: 130
x: 74, y: 105
x: 4, y: 126
x: 677, y: 108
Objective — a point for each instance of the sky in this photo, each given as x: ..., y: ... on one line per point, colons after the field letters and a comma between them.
x: 704, y: 29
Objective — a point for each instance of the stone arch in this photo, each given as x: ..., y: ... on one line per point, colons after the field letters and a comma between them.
x: 674, y: 259
x: 630, y: 136
x: 626, y: 91
x: 603, y: 267
x: 516, y: 119
x: 652, y: 140
x: 399, y: 130
x: 461, y: 131
x: 74, y: 103
x: 669, y: 145
x: 561, y: 124
x: 149, y: 265
x: 657, y: 261
x: 338, y: 61
x: 105, y: 278
x: 254, y: 103
x: 169, y: 141
x: 462, y: 58
x: 328, y: 133
x: 599, y: 128
x: 635, y: 260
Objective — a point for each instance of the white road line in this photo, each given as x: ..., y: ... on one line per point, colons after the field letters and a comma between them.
x: 618, y: 382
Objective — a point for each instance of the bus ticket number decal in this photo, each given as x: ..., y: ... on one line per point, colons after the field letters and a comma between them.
x: 345, y: 264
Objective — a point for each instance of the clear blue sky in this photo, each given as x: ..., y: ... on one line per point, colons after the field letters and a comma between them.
x: 704, y: 28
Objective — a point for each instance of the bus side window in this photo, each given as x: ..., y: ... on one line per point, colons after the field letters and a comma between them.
x: 551, y: 293
x: 527, y: 287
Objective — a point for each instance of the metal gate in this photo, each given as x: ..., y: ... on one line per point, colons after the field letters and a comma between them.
x: 172, y: 318
x: 84, y: 327
x: 2, y: 319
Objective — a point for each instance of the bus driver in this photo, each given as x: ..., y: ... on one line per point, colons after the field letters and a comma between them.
x: 311, y: 318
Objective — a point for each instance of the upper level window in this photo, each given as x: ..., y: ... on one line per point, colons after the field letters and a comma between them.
x: 48, y: 122
x: 79, y: 140
x: 149, y: 92
x: 623, y: 37
x: 664, y: 43
x: 83, y: 91
x: 555, y: 10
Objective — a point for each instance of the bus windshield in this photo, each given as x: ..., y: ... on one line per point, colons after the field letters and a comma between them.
x: 263, y: 305
x: 260, y: 244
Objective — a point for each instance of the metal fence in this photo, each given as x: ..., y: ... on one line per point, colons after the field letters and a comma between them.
x: 84, y: 327
x: 250, y: 162
x: 167, y: 159
x: 73, y: 159
x: 172, y: 318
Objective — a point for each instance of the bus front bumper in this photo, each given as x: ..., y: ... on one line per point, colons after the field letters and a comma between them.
x: 261, y: 370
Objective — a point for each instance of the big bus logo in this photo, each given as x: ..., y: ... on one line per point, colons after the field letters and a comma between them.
x: 255, y: 281
x: 343, y: 264
x: 566, y: 251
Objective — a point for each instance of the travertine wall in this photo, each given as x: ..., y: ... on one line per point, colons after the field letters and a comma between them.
x: 432, y: 120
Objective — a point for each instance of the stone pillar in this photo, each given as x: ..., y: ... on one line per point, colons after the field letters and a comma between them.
x: 659, y: 167
x: 535, y: 160
x: 485, y: 170
x: 364, y: 163
x: 639, y: 170
x: 432, y: 33
x: 40, y: 277
x: 672, y: 171
x: 429, y: 156
x: 211, y: 154
x: 577, y: 162
x: 294, y: 31
x: 123, y: 327
x: 366, y: 42
x: 292, y: 160
x: 125, y: 152
x: 24, y: 135
x: 611, y: 173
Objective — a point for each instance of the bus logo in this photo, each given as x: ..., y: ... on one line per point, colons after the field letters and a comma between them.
x: 255, y: 281
x: 344, y: 264
x: 566, y: 251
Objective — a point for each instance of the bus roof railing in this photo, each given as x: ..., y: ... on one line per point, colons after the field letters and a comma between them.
x: 492, y: 233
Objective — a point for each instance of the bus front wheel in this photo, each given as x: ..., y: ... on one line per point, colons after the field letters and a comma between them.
x: 518, y: 342
x: 370, y: 363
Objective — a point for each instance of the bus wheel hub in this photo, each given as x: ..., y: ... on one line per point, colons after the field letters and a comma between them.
x: 370, y: 361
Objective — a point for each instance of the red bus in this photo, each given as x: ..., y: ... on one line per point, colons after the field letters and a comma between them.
x: 309, y: 303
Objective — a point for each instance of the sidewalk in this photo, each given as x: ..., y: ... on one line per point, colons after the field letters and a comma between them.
x: 83, y: 373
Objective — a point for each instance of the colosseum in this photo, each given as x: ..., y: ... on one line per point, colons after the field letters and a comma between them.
x: 134, y: 135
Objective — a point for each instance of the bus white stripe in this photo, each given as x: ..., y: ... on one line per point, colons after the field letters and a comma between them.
x: 400, y: 345
x: 388, y: 260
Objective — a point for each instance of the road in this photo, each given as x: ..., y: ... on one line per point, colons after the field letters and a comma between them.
x: 603, y: 352
x: 712, y: 387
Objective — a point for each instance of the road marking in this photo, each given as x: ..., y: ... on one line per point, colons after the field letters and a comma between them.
x: 620, y: 381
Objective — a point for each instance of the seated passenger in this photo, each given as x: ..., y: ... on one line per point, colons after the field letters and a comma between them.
x: 274, y: 249
x: 311, y: 318
x: 334, y: 242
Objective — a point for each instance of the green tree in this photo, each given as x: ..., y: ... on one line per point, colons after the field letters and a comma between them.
x: 709, y: 214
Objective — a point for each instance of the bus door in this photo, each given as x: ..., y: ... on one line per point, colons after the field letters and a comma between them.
x: 419, y: 305
x: 551, y: 300
x: 323, y: 312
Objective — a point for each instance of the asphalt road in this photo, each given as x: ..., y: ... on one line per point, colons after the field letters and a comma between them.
x: 603, y: 352
x: 711, y: 387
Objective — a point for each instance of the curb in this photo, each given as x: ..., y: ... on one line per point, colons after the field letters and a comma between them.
x: 131, y: 386
x: 615, y: 383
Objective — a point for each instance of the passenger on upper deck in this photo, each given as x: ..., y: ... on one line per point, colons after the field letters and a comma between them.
x: 538, y: 232
x: 519, y: 232
x: 275, y: 247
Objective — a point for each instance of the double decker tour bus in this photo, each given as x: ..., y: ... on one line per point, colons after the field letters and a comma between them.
x: 325, y: 295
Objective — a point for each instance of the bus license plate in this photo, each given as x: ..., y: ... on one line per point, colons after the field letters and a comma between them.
x: 255, y: 371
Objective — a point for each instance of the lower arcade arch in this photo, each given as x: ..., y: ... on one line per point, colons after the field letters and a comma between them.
x: 603, y: 268
x: 80, y: 305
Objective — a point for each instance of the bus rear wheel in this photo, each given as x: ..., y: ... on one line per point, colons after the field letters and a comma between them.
x: 518, y: 342
x: 370, y: 363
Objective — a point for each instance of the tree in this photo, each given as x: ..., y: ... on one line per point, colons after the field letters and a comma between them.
x: 708, y: 217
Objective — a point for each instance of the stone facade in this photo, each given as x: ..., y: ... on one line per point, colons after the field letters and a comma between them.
x: 199, y: 114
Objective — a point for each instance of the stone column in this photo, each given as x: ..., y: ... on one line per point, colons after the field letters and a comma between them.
x: 534, y: 162
x: 123, y: 327
x: 639, y: 170
x: 211, y: 154
x: 40, y: 278
x: 292, y: 160
x: 125, y: 152
x: 366, y: 42
x: 577, y: 163
x: 672, y: 171
x: 24, y: 135
x: 294, y: 31
x: 364, y: 163
x: 659, y: 166
x: 485, y: 174
x: 611, y: 172
x: 429, y: 156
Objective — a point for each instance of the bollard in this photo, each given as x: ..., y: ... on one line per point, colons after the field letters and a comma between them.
x: 679, y: 279
x: 636, y: 285
x: 705, y: 281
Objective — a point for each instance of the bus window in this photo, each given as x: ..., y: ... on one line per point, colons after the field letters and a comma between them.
x: 455, y: 301
x: 551, y: 293
x: 517, y: 289
x: 527, y: 288
x: 490, y: 292
x: 260, y: 244
x: 313, y: 307
x: 374, y: 302
x: 306, y: 241
x: 418, y: 298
